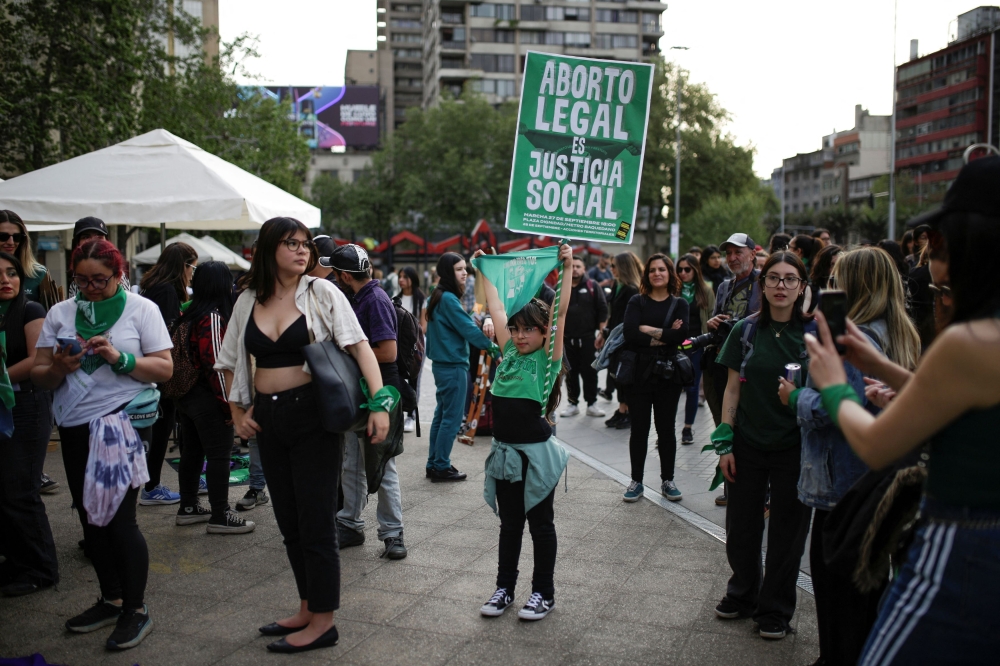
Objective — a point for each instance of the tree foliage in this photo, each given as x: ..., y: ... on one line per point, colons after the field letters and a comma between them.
x: 721, y: 216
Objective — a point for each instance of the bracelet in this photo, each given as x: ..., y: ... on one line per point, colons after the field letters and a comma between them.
x: 125, y: 364
x: 832, y: 396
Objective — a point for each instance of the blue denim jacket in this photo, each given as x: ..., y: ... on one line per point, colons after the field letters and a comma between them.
x: 829, y: 466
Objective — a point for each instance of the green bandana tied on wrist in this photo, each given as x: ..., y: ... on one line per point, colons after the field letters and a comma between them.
x: 125, y: 364
x: 384, y: 399
x: 96, y: 317
x: 722, y: 444
x: 832, y: 396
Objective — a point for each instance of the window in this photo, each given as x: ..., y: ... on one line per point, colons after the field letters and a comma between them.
x: 503, y: 12
x: 406, y: 53
x: 532, y: 37
x: 452, y: 38
x: 452, y: 63
x: 489, y: 35
x: 452, y: 17
x: 606, y: 41
x: 617, y: 16
x: 578, y: 39
x: 491, y: 62
x: 406, y: 38
x: 499, y: 87
x: 405, y: 23
x: 532, y: 13
x: 356, y: 174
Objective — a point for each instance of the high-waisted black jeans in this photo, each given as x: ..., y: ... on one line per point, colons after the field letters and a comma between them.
x: 25, y: 535
x: 510, y: 505
x: 117, y: 550
x: 302, y: 463
x: 206, y: 435
x: 661, y: 398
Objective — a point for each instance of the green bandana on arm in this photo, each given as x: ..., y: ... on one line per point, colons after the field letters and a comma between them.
x: 96, y: 317
x: 722, y: 444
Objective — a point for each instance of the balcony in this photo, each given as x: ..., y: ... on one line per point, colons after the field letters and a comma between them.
x: 648, y: 5
x: 451, y: 73
x: 452, y: 46
x: 653, y: 29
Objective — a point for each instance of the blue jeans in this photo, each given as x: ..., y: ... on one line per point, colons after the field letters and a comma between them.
x: 942, y: 606
x: 257, y: 481
x: 691, y: 392
x: 355, y: 485
x: 450, y: 381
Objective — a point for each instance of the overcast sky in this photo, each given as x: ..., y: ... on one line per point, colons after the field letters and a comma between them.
x: 788, y: 71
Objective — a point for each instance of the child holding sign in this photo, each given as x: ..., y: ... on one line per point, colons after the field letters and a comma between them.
x: 525, y: 463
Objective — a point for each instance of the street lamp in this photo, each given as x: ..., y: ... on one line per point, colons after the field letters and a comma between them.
x: 675, y: 228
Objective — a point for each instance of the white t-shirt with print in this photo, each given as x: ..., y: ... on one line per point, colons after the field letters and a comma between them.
x: 139, y: 331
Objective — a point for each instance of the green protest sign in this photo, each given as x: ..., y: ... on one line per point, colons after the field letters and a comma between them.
x: 580, y: 142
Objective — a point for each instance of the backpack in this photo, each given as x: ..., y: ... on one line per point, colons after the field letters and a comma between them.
x: 409, y: 343
x: 186, y: 368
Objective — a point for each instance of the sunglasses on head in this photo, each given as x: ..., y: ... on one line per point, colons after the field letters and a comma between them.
x: 18, y: 237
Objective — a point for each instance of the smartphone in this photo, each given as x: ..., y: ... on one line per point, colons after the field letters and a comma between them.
x: 73, y: 343
x: 833, y: 305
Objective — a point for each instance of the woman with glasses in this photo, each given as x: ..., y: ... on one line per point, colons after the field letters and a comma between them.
x: 627, y: 269
x: 166, y: 284
x: 758, y: 442
x: 38, y: 285
x: 124, y: 348
x: 701, y: 303
x: 281, y: 311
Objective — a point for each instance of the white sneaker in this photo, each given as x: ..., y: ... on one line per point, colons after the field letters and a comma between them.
x: 409, y: 425
x: 570, y: 410
x: 594, y: 410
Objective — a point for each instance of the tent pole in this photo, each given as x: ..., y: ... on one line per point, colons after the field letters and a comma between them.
x: 163, y: 236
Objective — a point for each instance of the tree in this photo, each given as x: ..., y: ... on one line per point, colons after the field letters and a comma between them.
x: 721, y: 216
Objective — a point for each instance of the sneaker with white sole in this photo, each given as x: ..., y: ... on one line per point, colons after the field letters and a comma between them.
x: 634, y: 492
x: 254, y: 497
x: 131, y: 628
x: 409, y: 424
x: 670, y: 491
x: 189, y: 515
x: 230, y: 523
x: 497, y: 604
x: 570, y: 410
x: 101, y: 614
x: 537, y: 607
x: 594, y: 410
x: 158, y: 495
x: 48, y: 485
x: 771, y: 630
x: 202, y: 486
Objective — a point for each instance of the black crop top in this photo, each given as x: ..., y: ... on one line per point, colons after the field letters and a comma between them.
x: 284, y: 352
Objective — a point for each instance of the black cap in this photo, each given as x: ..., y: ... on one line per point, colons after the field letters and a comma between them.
x: 351, y: 258
x: 975, y: 190
x: 90, y: 224
x: 325, y: 246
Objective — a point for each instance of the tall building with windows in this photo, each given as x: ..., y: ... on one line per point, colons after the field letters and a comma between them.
x: 484, y: 43
x: 399, y: 58
x: 858, y: 157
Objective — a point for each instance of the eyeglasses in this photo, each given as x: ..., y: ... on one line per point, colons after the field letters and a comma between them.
x: 294, y: 244
x: 523, y: 332
x: 789, y: 282
x: 942, y: 291
x: 193, y: 267
x: 18, y: 238
x: 96, y: 283
x: 685, y: 269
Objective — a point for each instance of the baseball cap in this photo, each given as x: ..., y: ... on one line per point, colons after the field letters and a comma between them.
x: 351, y: 258
x: 739, y: 240
x: 90, y: 224
x: 324, y: 246
x: 976, y: 190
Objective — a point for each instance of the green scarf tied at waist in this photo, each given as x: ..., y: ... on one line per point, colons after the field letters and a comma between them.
x: 546, y: 462
x: 96, y: 317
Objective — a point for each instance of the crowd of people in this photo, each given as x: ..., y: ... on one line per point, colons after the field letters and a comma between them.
x: 814, y: 431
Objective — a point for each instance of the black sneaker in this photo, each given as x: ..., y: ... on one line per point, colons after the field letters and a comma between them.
x: 721, y: 500
x: 771, y: 630
x: 606, y: 394
x: 450, y: 474
x: 687, y: 437
x: 729, y: 610
x: 348, y: 537
x: 498, y: 603
x: 189, y: 515
x: 613, y: 421
x: 537, y: 607
x: 131, y: 628
x: 624, y: 423
x: 48, y: 485
x: 394, y: 548
x: 254, y: 497
x: 99, y: 615
x: 230, y: 523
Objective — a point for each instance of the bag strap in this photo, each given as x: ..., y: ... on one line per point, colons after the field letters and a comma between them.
x: 667, y: 322
x: 309, y: 306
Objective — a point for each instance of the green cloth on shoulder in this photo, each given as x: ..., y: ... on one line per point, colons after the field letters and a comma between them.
x: 546, y: 462
x: 761, y: 419
x: 96, y: 317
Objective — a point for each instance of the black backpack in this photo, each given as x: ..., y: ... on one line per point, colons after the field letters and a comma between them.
x: 409, y: 343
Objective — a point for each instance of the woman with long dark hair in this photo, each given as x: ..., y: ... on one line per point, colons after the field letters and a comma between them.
x: 939, y: 606
x: 805, y: 247
x: 412, y: 299
x: 166, y: 284
x: 701, y: 302
x: 204, y: 415
x: 450, y: 330
x: 281, y: 311
x: 759, y: 443
x: 895, y: 252
x: 28, y: 546
x: 713, y: 267
x: 124, y: 349
x: 627, y: 269
x: 656, y: 323
x: 38, y: 285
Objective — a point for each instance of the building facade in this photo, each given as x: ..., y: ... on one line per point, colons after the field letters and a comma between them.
x: 947, y: 101
x: 859, y: 156
x: 804, y: 176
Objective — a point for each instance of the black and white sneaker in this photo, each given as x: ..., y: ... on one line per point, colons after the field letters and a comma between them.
x: 131, y: 628
x: 48, y: 485
x: 101, y: 614
x: 189, y: 515
x: 536, y: 608
x: 498, y: 603
x: 254, y: 497
x: 230, y: 523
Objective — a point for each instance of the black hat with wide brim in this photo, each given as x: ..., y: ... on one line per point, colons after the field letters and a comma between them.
x: 975, y: 190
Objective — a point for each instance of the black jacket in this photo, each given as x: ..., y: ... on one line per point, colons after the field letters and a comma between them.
x: 587, y: 310
x: 620, y: 296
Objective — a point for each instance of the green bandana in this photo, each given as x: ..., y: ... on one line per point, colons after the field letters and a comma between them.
x: 96, y: 317
x: 518, y: 275
x: 687, y: 291
x: 6, y: 389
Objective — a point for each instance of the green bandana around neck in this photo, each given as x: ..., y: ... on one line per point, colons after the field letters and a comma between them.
x: 687, y: 291
x: 96, y: 317
x: 6, y: 388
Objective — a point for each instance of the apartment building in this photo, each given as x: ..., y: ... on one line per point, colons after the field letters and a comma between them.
x: 803, y: 180
x: 207, y: 11
x: 949, y: 100
x: 484, y: 43
x: 859, y: 156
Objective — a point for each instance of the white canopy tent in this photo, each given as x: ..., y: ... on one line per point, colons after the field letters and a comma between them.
x: 208, y: 249
x: 152, y: 180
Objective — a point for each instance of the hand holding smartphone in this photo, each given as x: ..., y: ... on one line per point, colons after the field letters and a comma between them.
x: 833, y: 305
x: 72, y: 343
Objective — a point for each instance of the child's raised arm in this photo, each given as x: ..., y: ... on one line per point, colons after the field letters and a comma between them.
x: 566, y: 256
x: 495, y: 305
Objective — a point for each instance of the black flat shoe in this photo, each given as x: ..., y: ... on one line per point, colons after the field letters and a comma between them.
x: 450, y: 474
x: 329, y: 639
x: 275, y: 629
x: 22, y: 588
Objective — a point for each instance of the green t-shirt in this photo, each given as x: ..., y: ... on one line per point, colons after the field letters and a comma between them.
x: 523, y: 376
x: 762, y: 420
